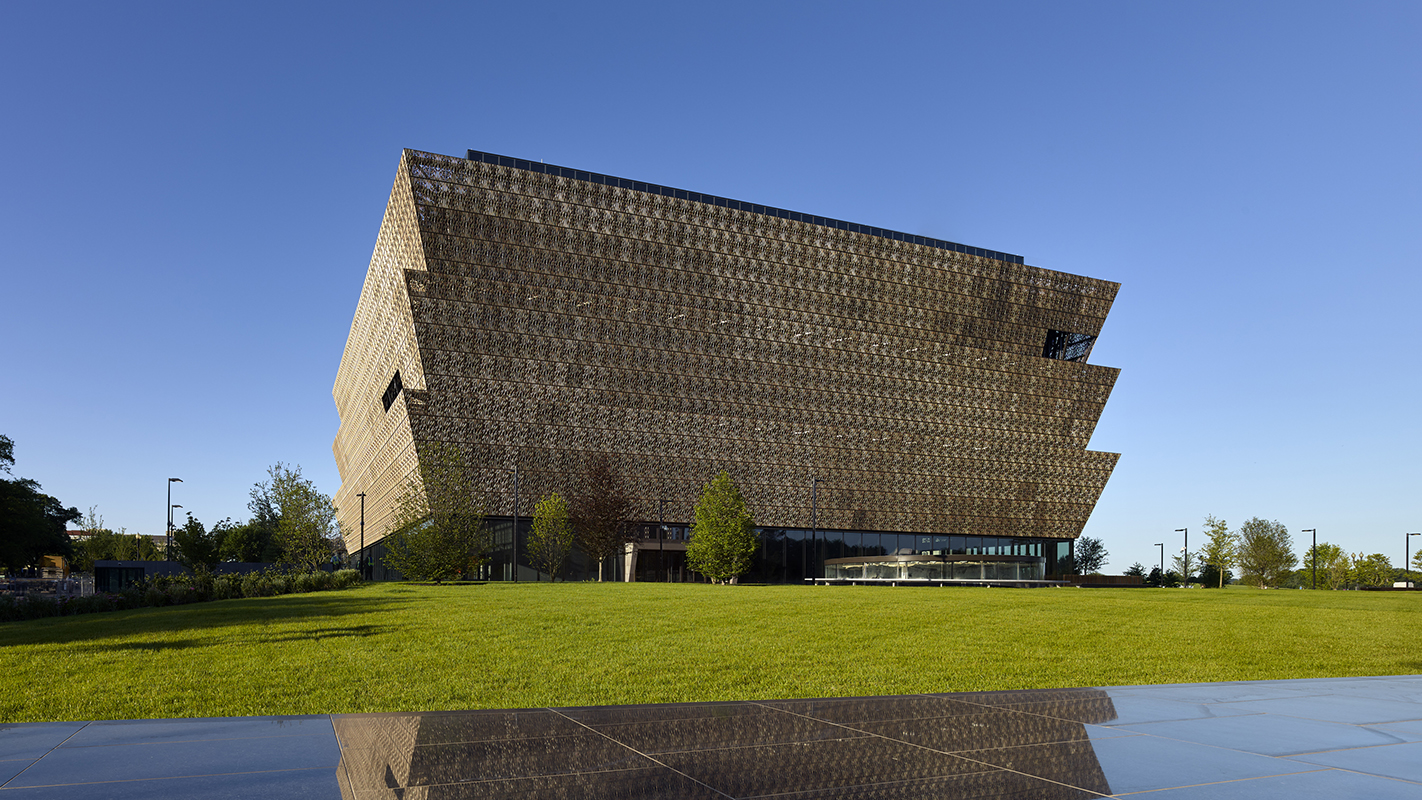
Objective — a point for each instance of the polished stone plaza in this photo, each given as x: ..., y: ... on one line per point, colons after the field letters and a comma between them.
x: 1333, y: 737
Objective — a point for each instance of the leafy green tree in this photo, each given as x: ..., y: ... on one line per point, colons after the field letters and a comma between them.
x: 1219, y: 551
x: 1177, y: 566
x: 601, y: 511
x: 91, y: 524
x: 1090, y: 555
x: 306, y: 531
x: 723, y: 539
x: 256, y: 540
x: 551, y: 538
x: 32, y: 523
x: 1266, y: 553
x: 251, y: 541
x: 1211, y: 577
x: 197, y: 547
x: 1417, y: 560
x: 1333, y: 566
x: 438, y: 532
x: 1373, y: 570
x: 1137, y: 569
x: 101, y: 544
x: 119, y: 545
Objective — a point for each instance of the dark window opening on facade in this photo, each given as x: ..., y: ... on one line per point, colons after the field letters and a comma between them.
x: 1068, y: 346
x: 392, y: 391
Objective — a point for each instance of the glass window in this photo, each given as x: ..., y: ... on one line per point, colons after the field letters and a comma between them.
x: 869, y: 545
x: 853, y: 544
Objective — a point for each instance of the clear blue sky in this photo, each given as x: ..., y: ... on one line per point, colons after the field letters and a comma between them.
x: 192, y: 194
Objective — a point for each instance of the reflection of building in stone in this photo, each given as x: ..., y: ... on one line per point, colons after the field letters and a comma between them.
x: 532, y: 315
x: 994, y: 744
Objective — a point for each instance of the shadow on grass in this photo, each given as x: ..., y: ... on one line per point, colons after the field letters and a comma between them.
x: 347, y: 632
x: 107, y: 629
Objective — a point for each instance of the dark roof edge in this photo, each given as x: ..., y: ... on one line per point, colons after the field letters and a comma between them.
x: 697, y: 197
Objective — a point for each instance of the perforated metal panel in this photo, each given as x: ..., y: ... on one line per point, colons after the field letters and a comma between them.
x: 536, y: 318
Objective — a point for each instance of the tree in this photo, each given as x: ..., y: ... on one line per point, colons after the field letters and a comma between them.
x: 551, y: 538
x: 306, y: 527
x: 1211, y: 577
x: 197, y: 547
x: 251, y: 541
x: 101, y: 544
x: 256, y: 541
x: 723, y: 539
x: 1219, y: 551
x: 1153, y: 579
x: 1332, y: 565
x: 1417, y: 560
x: 1090, y: 555
x: 1137, y: 569
x: 1373, y: 570
x: 1266, y: 552
x: 1177, y: 566
x: 32, y: 524
x: 438, y: 531
x: 601, y: 512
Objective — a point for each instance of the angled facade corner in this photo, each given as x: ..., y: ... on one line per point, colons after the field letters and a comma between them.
x: 374, y: 446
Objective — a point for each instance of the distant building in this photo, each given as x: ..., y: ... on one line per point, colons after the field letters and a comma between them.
x: 534, y: 314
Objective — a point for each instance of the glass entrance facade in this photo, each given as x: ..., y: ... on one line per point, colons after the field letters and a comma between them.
x: 785, y: 555
x: 937, y: 568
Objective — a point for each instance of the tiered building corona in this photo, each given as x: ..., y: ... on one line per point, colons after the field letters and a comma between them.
x: 873, y: 393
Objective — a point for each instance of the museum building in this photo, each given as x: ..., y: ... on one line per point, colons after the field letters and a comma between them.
x: 891, y: 406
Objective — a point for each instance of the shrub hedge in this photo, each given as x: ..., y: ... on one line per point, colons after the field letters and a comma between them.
x: 172, y: 590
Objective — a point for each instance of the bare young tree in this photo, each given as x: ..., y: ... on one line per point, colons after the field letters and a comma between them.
x: 601, y: 511
x: 1219, y: 552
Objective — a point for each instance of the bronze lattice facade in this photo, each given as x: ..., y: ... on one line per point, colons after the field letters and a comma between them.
x: 534, y: 314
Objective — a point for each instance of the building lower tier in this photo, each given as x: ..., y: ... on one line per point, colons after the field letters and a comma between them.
x: 657, y: 552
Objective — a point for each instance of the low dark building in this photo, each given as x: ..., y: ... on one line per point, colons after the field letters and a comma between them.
x: 115, y: 576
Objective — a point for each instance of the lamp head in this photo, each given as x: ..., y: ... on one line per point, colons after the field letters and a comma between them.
x: 175, y: 480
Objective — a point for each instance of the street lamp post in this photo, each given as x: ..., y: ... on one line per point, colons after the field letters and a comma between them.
x: 1314, y: 560
x: 168, y: 556
x: 1407, y: 545
x: 814, y: 516
x: 168, y: 545
x: 362, y: 536
x: 1161, y: 545
x: 1185, y: 579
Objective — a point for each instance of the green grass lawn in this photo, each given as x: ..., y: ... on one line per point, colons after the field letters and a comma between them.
x: 390, y: 647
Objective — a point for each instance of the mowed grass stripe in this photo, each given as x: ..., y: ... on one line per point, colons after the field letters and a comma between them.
x: 388, y: 647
